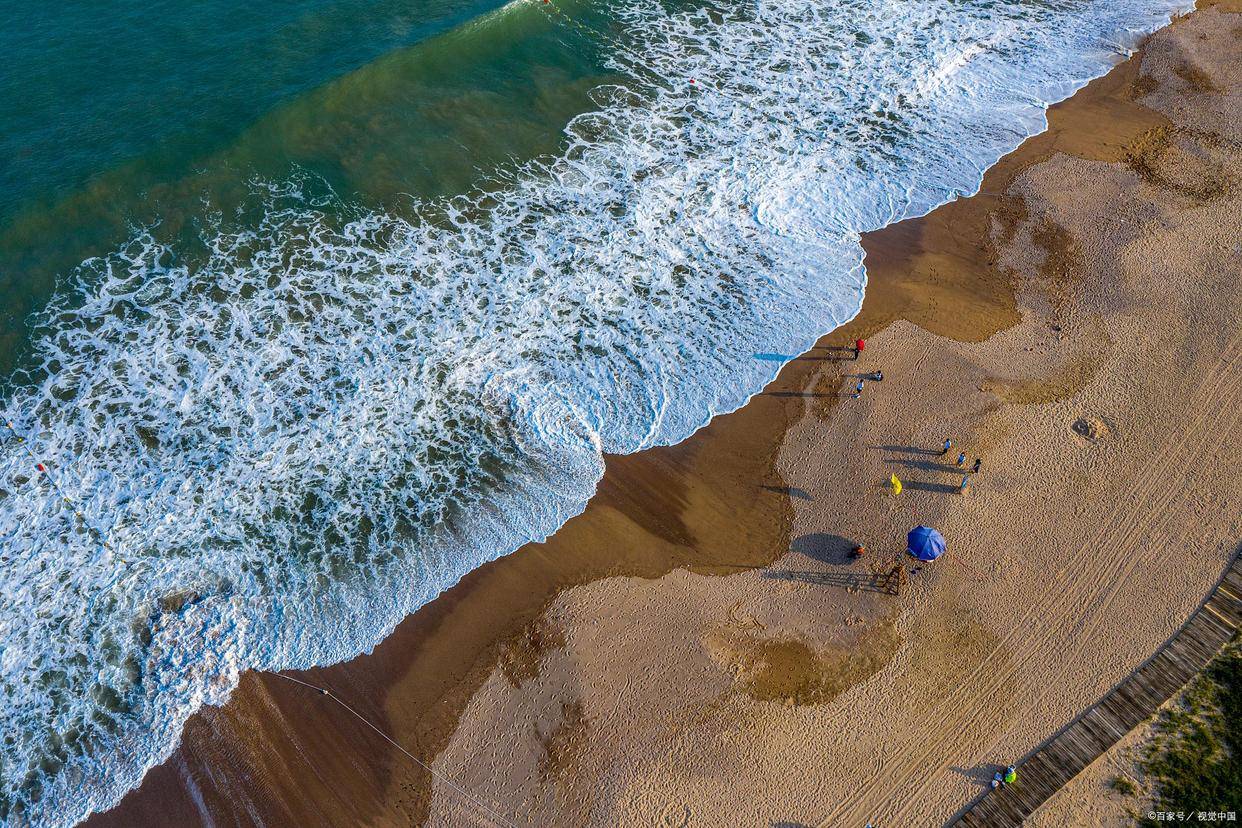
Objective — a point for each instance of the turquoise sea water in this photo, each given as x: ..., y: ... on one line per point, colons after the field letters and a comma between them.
x: 310, y: 307
x: 116, y: 115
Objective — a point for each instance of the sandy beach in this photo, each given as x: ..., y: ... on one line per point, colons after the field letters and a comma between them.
x: 700, y: 649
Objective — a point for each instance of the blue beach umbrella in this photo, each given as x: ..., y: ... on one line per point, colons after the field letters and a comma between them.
x: 925, y: 543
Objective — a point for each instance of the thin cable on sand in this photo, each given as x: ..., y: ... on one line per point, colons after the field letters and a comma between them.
x: 46, y: 472
x: 471, y: 798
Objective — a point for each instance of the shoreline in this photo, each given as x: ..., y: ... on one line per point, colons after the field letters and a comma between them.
x: 662, y: 511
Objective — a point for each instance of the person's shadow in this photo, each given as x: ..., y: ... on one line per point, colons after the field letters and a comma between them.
x: 928, y: 465
x: 835, y: 353
x: 792, y: 491
x: 929, y: 452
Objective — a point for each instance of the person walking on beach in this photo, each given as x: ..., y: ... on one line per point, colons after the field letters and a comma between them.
x: 978, y: 463
x: 948, y: 444
x: 859, y: 344
x: 961, y: 458
x: 858, y: 389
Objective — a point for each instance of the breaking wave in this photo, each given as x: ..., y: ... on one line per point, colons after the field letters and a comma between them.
x: 268, y: 458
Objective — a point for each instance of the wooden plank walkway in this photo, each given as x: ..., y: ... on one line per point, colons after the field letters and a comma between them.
x: 1132, y: 701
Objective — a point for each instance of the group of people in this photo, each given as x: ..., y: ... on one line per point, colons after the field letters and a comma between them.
x: 878, y: 376
x: 1010, y: 774
x: 874, y: 376
x: 961, y: 462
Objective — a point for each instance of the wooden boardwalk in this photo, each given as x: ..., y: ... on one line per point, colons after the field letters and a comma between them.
x: 1132, y: 701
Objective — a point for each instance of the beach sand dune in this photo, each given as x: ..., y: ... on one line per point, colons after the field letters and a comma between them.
x: 700, y: 649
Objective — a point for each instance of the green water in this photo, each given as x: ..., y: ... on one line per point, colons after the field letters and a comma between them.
x: 127, y: 114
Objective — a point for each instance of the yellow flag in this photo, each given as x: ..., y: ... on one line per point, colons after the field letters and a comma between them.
x: 896, y: 484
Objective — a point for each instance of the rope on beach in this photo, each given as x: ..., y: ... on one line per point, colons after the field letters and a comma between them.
x: 45, y: 471
x: 471, y: 798
x: 654, y: 78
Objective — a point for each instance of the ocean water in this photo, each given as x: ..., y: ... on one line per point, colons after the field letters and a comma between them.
x: 312, y: 309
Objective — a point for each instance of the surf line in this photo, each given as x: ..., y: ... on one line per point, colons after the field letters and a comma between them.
x: 43, y: 469
x: 471, y: 798
x: 556, y: 14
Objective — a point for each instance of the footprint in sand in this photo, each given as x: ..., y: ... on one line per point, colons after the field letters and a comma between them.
x: 676, y: 815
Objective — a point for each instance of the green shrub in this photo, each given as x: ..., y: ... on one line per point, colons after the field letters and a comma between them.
x: 1195, y: 758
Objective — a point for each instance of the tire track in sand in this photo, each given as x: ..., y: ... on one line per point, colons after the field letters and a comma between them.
x: 1131, y: 552
x: 1081, y: 578
x: 1141, y: 500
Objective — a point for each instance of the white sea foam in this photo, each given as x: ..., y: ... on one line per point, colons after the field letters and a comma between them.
x: 292, y: 446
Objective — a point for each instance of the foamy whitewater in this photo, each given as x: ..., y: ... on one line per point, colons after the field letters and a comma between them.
x: 294, y: 445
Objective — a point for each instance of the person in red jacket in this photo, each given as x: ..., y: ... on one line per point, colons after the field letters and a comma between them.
x: 859, y: 344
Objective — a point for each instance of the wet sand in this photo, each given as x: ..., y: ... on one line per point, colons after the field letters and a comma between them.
x: 696, y: 648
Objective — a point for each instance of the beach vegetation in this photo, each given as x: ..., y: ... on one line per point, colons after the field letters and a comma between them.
x: 1195, y: 757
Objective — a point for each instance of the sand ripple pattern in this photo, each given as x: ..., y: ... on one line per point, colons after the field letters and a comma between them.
x: 294, y: 443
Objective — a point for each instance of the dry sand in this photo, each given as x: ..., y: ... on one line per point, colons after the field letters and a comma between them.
x: 696, y: 649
